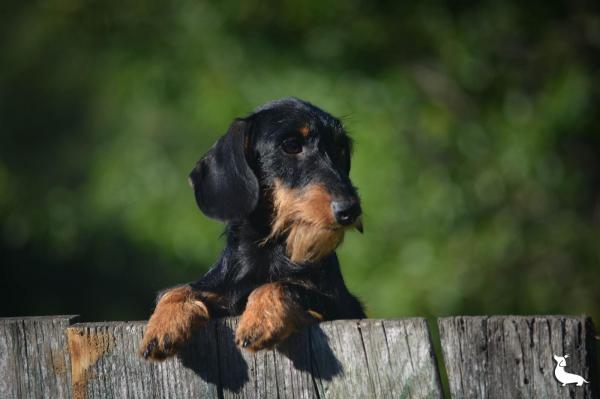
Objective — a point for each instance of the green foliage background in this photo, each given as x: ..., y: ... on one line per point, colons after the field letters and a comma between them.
x: 477, y: 153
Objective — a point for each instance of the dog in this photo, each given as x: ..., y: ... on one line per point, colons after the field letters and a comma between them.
x: 279, y: 178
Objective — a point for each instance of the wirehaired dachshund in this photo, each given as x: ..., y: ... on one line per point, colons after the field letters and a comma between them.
x: 279, y: 178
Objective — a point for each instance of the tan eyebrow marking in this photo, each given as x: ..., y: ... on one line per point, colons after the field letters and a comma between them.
x: 304, y: 131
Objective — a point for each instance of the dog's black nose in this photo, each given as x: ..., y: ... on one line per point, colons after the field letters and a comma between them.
x: 346, y: 212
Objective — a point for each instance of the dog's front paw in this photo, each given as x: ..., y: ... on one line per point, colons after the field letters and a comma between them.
x: 270, y: 317
x: 177, y: 314
x: 255, y: 332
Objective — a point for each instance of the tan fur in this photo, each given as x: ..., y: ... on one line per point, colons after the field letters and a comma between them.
x: 177, y: 314
x: 304, y: 131
x: 305, y: 216
x: 270, y: 317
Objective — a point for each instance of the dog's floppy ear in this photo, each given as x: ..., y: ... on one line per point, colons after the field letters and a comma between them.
x: 225, y: 186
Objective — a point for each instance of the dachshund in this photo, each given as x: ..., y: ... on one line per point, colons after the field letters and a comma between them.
x: 279, y: 179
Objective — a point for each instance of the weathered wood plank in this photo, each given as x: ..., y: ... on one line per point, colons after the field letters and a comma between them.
x: 106, y: 364
x: 34, y: 360
x: 408, y: 367
x: 375, y: 358
x: 370, y: 358
x: 512, y: 356
x: 281, y: 373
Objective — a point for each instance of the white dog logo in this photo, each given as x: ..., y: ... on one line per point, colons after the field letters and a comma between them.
x: 566, y: 378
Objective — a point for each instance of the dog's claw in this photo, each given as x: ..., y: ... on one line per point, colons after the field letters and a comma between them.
x: 167, y: 343
x: 150, y: 348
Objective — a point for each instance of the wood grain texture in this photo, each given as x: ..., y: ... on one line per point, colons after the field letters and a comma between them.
x: 375, y: 358
x: 512, y: 356
x: 106, y: 364
x: 34, y: 360
x: 341, y: 359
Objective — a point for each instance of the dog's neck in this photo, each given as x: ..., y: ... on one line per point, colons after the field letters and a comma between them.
x: 252, y: 240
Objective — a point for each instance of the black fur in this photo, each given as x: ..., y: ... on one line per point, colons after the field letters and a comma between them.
x: 224, y: 185
x: 232, y: 183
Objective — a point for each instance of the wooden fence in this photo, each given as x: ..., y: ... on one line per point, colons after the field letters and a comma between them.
x: 484, y: 357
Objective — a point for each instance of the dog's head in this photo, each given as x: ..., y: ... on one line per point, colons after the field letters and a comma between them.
x: 289, y: 157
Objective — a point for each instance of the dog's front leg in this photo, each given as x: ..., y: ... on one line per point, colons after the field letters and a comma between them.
x: 271, y: 315
x: 179, y: 311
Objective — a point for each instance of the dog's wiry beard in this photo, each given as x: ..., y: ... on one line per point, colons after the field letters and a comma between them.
x: 307, y: 243
x: 304, y: 215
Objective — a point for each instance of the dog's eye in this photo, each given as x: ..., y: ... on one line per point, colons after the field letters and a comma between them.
x: 292, y: 145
